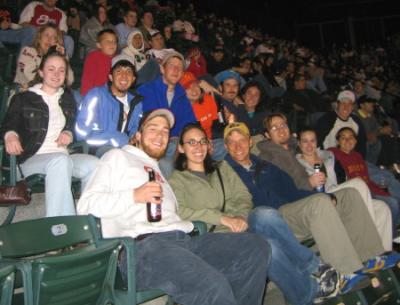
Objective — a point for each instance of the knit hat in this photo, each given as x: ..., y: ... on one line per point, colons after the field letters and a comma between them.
x: 187, y: 79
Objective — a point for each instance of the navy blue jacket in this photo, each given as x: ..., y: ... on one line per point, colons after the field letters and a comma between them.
x: 267, y: 183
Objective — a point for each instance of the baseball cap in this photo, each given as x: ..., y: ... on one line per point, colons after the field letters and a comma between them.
x: 121, y: 57
x: 228, y: 74
x: 237, y: 126
x: 171, y: 55
x: 153, y: 32
x: 147, y: 116
x: 346, y: 95
x: 366, y: 99
x: 187, y: 79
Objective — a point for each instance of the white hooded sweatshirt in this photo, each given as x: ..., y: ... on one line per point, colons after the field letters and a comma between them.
x: 109, y: 195
x: 137, y: 55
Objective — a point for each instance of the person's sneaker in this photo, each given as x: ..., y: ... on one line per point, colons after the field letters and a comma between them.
x: 354, y: 281
x: 328, y: 280
x: 380, y: 263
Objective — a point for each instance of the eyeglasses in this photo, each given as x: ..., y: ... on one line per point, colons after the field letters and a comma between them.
x: 193, y: 142
x: 278, y: 127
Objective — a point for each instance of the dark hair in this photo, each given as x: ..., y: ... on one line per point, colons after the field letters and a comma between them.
x: 261, y: 102
x: 366, y: 99
x: 338, y: 134
x: 96, y: 10
x: 181, y: 163
x: 124, y: 63
x: 268, y: 120
x: 38, y: 79
x: 305, y: 129
x: 105, y: 31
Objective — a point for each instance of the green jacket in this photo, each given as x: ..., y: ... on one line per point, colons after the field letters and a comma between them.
x: 199, y: 199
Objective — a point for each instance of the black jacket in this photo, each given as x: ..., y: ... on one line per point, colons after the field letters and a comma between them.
x: 326, y: 123
x: 28, y: 116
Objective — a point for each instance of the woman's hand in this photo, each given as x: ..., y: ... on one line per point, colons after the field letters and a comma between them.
x: 235, y: 224
x: 13, y: 144
x: 64, y: 139
x: 317, y: 179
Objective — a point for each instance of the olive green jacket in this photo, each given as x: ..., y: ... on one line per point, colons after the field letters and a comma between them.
x: 199, y: 199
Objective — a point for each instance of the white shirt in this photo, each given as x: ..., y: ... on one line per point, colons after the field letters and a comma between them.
x: 124, y: 101
x: 330, y: 139
x: 109, y: 195
x: 56, y: 121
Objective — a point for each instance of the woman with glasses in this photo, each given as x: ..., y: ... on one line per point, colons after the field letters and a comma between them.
x: 214, y: 193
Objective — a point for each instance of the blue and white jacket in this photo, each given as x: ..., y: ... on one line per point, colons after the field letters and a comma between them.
x: 100, y: 118
x: 155, y: 96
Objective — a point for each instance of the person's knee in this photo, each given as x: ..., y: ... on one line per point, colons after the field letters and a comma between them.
x: 62, y: 163
x: 264, y: 216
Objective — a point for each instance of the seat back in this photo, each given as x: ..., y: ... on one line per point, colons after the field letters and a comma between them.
x: 37, y: 236
x: 78, y: 270
x: 6, y: 284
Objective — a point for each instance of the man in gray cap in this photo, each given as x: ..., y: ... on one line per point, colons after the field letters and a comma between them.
x: 109, y: 115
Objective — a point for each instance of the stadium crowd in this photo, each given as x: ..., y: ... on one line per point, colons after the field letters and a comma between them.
x: 233, y: 122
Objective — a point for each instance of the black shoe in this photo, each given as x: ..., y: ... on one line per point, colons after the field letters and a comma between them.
x: 328, y: 280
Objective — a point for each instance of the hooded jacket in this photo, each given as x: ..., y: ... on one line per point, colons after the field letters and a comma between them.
x: 328, y: 159
x: 109, y: 195
x: 100, y: 117
x: 201, y: 199
x: 28, y: 116
x: 138, y: 56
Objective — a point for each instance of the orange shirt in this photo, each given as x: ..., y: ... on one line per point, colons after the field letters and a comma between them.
x: 206, y: 113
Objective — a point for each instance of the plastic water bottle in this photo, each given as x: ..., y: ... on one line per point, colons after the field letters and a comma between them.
x: 153, y: 210
x: 317, y: 169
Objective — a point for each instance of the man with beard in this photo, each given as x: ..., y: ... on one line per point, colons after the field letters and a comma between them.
x: 118, y: 193
x: 166, y: 92
x: 231, y: 107
x: 109, y: 115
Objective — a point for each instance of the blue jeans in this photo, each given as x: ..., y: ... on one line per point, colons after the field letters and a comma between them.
x: 291, y: 263
x: 376, y: 174
x: 212, y: 269
x: 23, y: 36
x: 59, y: 169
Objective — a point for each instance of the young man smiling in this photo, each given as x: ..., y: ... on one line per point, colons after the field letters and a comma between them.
x: 167, y: 258
x: 109, y: 115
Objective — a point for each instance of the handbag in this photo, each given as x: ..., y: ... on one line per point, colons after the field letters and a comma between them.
x: 223, y: 192
x: 18, y: 194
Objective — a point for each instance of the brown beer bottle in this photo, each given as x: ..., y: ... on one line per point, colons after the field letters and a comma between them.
x: 153, y: 210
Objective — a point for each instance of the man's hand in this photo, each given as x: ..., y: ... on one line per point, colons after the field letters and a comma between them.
x: 13, y: 144
x: 64, y: 139
x: 208, y: 88
x: 317, y: 179
x: 148, y: 192
x: 235, y: 224
x: 386, y: 130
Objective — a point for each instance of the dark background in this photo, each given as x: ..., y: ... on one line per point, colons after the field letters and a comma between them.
x: 316, y: 23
